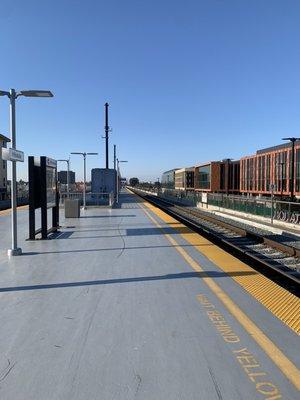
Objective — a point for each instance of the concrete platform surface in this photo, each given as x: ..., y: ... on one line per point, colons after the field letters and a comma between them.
x: 114, y: 308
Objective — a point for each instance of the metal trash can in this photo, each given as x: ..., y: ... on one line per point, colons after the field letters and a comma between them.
x: 72, y: 208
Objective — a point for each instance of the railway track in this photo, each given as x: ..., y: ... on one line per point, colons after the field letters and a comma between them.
x: 280, y: 259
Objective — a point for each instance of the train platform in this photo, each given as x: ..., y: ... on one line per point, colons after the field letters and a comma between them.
x: 128, y: 303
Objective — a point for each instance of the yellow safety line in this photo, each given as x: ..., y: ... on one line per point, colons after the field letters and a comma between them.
x: 283, y: 304
x: 277, y: 356
x: 6, y: 212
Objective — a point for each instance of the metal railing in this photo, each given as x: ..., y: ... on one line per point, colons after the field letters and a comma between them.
x: 264, y: 207
x: 274, y: 209
x: 92, y: 199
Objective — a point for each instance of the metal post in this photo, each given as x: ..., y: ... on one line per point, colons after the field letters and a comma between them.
x: 15, y: 250
x: 117, y: 181
x: 115, y: 155
x: 115, y: 166
x: 84, y: 181
x: 292, y: 171
x: 106, y: 134
x: 68, y: 179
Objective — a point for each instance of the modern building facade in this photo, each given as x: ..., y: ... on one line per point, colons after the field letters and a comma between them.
x: 3, y: 168
x: 218, y: 176
x: 184, y: 178
x: 168, y: 179
x: 271, y: 168
x: 63, y: 175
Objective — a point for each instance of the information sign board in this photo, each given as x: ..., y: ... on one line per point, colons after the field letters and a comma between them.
x: 12, y: 155
x: 51, y: 186
x: 43, y: 194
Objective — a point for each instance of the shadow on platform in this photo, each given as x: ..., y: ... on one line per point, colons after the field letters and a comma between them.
x: 126, y: 199
x: 108, y: 216
x: 35, y: 253
x: 127, y: 232
x: 182, y: 275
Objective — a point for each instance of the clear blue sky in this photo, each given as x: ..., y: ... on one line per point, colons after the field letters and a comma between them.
x: 187, y: 81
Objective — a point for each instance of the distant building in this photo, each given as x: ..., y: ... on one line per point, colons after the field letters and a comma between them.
x: 218, y: 176
x: 168, y: 179
x: 62, y: 177
x: 271, y: 167
x: 103, y: 180
x: 184, y: 179
x: 3, y: 169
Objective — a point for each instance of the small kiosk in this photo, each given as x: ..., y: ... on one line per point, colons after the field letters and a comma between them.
x: 43, y: 195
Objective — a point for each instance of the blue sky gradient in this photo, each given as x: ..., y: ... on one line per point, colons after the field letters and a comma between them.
x: 187, y: 81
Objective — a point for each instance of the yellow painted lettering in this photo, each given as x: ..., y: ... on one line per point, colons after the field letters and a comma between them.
x: 267, y: 388
x: 253, y: 375
x: 243, y: 351
x: 231, y: 339
x: 215, y: 318
x: 246, y: 360
x: 221, y: 323
x: 212, y: 312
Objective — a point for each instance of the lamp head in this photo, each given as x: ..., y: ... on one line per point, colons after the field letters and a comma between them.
x: 36, y: 93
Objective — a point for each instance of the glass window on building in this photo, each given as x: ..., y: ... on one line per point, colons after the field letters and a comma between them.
x: 259, y: 168
x: 278, y: 172
x: 268, y: 171
x: 251, y: 174
x: 298, y: 170
x: 222, y: 176
x: 190, y: 179
x: 204, y: 177
x: 281, y: 171
x: 248, y: 174
x: 263, y: 171
x: 168, y: 179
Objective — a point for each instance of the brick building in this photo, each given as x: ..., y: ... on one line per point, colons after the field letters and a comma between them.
x: 3, y: 169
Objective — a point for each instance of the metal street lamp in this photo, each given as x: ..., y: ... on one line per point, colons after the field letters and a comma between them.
x: 13, y: 95
x: 118, y: 162
x: 84, y: 173
x: 68, y: 176
x: 292, y: 170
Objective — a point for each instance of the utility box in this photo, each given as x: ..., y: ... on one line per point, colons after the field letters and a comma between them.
x: 72, y: 208
x: 103, y: 180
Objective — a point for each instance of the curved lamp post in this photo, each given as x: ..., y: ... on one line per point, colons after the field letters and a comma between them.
x: 13, y: 95
x: 84, y: 173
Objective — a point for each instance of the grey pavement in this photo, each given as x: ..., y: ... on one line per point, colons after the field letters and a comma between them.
x: 108, y: 310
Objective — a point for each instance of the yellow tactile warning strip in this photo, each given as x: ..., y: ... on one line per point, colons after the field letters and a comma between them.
x: 276, y: 355
x: 6, y: 212
x: 283, y: 304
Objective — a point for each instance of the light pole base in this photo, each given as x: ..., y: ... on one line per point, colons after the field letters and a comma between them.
x: 83, y: 208
x: 14, y: 252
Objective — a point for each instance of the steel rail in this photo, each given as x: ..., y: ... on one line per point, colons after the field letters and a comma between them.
x: 187, y: 217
